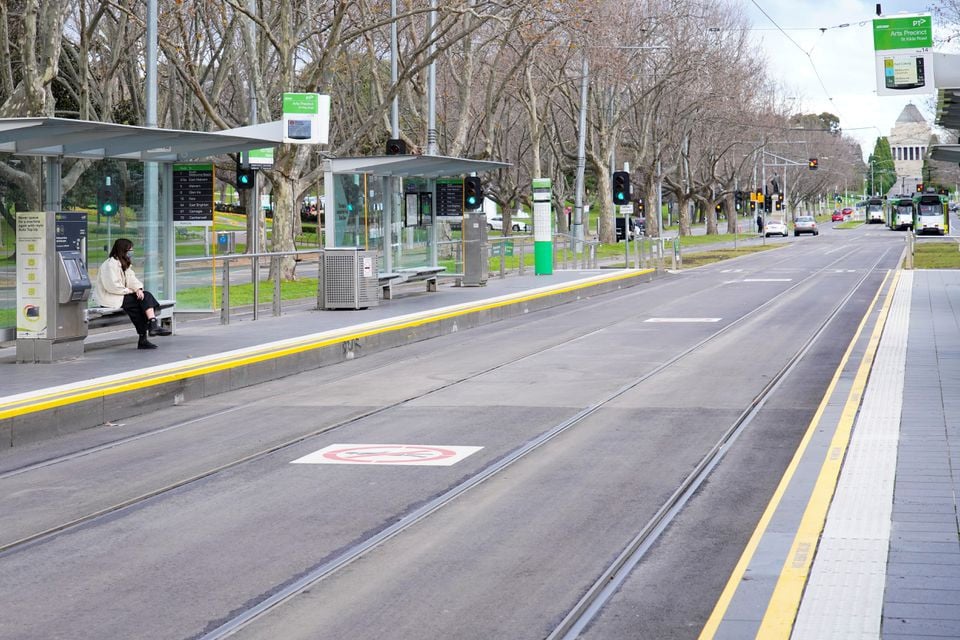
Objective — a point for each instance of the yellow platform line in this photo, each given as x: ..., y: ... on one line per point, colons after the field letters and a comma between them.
x: 27, y: 403
x: 785, y: 599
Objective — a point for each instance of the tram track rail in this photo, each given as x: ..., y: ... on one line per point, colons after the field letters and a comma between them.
x: 135, y: 501
x: 647, y: 291
x: 613, y: 576
x: 617, y: 572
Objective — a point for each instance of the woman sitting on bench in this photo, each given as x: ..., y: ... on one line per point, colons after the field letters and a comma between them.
x: 117, y: 287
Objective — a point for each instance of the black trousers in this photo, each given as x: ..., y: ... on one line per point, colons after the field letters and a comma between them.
x: 137, y: 309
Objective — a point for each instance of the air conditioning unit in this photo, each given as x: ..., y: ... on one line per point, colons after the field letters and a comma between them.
x: 349, y: 279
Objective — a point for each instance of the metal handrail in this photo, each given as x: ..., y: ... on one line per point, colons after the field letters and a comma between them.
x: 226, y: 259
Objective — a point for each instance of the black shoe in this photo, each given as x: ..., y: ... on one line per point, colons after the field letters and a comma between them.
x: 154, y: 328
x: 145, y: 344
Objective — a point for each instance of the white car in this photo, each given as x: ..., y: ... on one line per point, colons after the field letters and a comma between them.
x: 519, y: 222
x: 775, y: 228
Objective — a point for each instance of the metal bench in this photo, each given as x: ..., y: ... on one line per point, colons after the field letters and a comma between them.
x: 107, y: 316
x: 418, y: 274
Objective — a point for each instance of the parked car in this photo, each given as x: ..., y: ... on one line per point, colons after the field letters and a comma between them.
x: 837, y: 216
x: 805, y: 224
x: 518, y: 222
x: 775, y: 227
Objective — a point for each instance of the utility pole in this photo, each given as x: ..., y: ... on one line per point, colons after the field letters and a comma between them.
x: 577, y: 231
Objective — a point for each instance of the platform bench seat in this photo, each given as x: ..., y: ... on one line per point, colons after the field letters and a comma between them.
x: 417, y: 274
x: 107, y: 316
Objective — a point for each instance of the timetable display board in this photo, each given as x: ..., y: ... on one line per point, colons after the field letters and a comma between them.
x: 193, y: 193
x: 449, y: 197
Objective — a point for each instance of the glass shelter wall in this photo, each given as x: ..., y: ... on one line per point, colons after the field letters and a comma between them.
x: 394, y: 216
x: 23, y: 190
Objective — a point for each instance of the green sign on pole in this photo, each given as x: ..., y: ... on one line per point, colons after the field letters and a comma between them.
x: 913, y: 32
x: 301, y: 103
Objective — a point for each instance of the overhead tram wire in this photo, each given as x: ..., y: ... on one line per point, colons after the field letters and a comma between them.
x: 805, y: 52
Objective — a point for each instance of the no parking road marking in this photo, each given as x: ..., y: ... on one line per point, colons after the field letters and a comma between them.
x: 380, y: 454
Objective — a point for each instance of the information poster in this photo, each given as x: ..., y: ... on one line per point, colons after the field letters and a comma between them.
x: 72, y: 232
x: 193, y: 194
x: 31, y: 275
x: 450, y: 197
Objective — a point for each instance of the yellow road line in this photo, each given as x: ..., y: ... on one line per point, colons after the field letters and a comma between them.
x: 808, y: 524
x: 212, y: 364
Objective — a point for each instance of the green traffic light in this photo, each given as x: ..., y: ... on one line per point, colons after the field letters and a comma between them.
x: 107, y: 208
x: 620, y: 195
x: 471, y: 201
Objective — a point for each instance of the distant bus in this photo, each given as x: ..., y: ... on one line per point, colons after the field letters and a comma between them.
x: 930, y: 214
x: 875, y: 211
x: 900, y: 213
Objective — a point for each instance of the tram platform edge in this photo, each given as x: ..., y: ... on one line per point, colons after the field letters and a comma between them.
x: 116, y: 381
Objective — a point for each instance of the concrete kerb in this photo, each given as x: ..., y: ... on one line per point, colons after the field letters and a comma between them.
x: 33, y: 416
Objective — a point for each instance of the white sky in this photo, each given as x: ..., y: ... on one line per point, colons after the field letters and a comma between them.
x: 843, y: 57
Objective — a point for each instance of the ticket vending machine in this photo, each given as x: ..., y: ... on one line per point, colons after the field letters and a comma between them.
x: 52, y: 286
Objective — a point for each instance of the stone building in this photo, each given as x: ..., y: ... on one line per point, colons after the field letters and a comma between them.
x: 908, y: 142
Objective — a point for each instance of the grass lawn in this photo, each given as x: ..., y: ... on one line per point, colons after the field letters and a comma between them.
x: 700, y: 258
x: 936, y: 255
x: 849, y: 224
x: 242, y: 294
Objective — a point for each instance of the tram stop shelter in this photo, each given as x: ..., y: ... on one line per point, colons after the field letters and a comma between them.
x: 55, y: 139
x: 392, y: 204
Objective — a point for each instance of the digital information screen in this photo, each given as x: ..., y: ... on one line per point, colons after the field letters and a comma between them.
x: 193, y: 194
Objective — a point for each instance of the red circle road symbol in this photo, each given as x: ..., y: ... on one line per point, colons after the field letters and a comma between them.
x: 389, y: 454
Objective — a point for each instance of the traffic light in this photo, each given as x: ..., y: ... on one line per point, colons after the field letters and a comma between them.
x: 919, y: 187
x: 779, y: 206
x: 245, y: 177
x: 396, y: 147
x: 753, y: 206
x: 812, y: 164
x: 718, y: 207
x: 621, y: 187
x: 107, y: 204
x: 472, y: 192
x: 738, y: 201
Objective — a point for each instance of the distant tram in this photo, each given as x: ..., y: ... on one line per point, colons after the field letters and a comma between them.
x: 900, y: 213
x: 931, y: 214
x: 875, y: 211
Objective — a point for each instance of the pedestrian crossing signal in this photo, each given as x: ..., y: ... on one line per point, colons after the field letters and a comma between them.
x: 472, y: 192
x: 107, y: 204
x: 812, y: 164
x: 621, y: 187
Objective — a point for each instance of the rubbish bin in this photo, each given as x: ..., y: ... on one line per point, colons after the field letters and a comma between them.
x: 349, y: 279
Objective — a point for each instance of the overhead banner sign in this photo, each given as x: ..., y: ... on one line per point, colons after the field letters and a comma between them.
x: 904, y: 61
x: 306, y: 118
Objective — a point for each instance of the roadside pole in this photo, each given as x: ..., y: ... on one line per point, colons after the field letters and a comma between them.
x: 542, y: 228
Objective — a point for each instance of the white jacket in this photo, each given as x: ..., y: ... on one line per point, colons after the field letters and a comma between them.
x: 113, y: 283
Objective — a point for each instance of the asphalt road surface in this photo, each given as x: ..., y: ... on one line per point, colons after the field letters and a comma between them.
x: 554, y: 439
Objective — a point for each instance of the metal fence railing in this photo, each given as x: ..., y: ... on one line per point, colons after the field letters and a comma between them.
x: 251, y: 261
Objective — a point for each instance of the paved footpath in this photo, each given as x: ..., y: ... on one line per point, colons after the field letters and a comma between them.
x: 861, y: 540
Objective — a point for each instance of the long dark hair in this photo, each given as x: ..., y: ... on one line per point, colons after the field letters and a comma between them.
x: 119, y: 251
